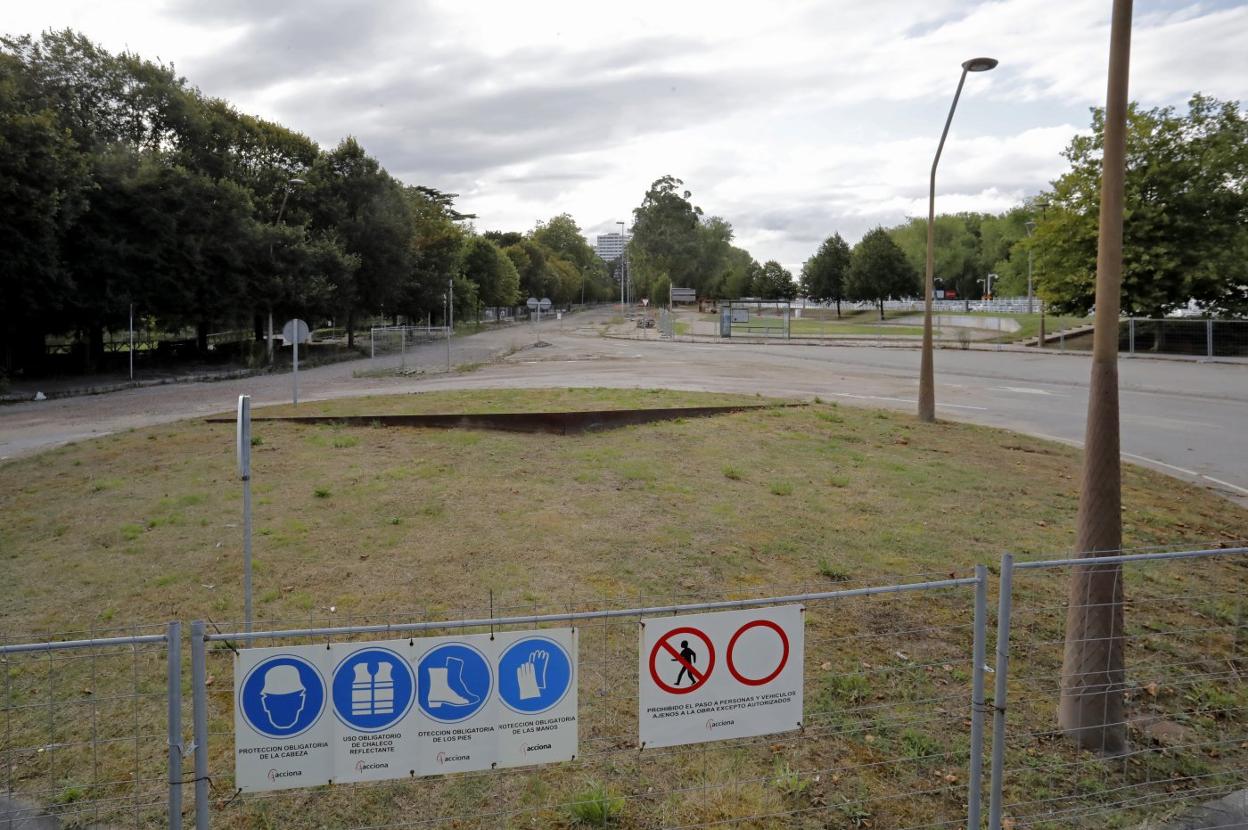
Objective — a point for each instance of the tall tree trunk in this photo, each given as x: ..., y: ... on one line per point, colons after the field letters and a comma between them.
x: 838, y: 308
x: 351, y: 328
x: 880, y: 304
x: 1093, y: 668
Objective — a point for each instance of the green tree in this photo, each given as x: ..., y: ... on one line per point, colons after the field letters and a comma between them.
x: 667, y: 238
x: 774, y: 282
x: 879, y: 270
x: 1186, y: 215
x: 825, y: 273
x: 957, y: 252
x: 496, y: 279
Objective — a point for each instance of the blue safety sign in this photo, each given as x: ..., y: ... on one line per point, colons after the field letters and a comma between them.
x: 282, y: 696
x: 373, y: 689
x: 455, y: 682
x: 534, y: 675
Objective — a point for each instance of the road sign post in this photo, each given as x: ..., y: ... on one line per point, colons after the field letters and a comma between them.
x: 295, y: 332
x: 243, y: 451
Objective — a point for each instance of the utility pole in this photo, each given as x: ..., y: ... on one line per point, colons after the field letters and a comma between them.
x: 1093, y: 669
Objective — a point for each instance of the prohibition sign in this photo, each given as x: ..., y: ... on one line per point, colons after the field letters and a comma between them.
x: 784, y: 655
x: 699, y: 675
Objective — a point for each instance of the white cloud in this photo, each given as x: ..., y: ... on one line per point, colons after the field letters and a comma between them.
x: 790, y: 119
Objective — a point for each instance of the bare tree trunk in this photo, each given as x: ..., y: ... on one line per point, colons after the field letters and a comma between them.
x: 1093, y: 668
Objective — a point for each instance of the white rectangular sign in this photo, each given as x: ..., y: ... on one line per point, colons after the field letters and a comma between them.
x: 373, y: 711
x: 729, y: 674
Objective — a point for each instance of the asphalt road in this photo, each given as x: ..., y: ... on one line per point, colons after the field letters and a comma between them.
x: 1185, y: 418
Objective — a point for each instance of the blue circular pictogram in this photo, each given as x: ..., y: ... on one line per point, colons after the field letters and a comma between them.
x: 282, y: 696
x: 373, y: 689
x: 455, y: 682
x: 534, y: 675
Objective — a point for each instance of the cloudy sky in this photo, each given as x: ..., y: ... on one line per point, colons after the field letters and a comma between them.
x: 790, y: 119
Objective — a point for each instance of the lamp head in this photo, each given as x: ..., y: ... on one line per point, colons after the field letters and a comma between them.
x: 296, y: 181
x: 980, y: 64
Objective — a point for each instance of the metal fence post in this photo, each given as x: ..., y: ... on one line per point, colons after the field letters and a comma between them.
x: 976, y: 785
x: 173, y: 653
x: 1209, y: 338
x: 1131, y: 336
x: 199, y: 718
x: 1005, y: 588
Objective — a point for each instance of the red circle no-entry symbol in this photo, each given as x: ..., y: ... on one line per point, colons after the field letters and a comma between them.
x: 784, y: 653
x: 687, y: 659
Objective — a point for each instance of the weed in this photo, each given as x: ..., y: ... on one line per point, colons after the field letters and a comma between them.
x: 781, y: 488
x: 256, y: 441
x: 345, y: 441
x: 830, y: 571
x: 787, y: 780
x: 595, y: 805
x: 321, y: 492
x: 917, y: 745
x: 830, y: 417
x: 838, y: 481
x: 732, y: 472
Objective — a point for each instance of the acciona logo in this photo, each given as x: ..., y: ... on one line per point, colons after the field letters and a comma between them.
x: 361, y: 766
x: 275, y: 774
x: 536, y: 747
x: 712, y: 724
x: 444, y: 758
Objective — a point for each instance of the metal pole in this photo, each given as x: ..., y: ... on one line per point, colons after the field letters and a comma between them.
x: 1209, y: 338
x: 372, y: 343
x: 403, y: 347
x: 1005, y: 588
x: 450, y: 319
x: 132, y: 341
x: 199, y: 721
x: 173, y: 654
x: 244, y: 471
x: 927, y: 384
x: 295, y: 375
x: 1131, y: 336
x: 269, y: 342
x: 1030, y: 257
x: 975, y: 788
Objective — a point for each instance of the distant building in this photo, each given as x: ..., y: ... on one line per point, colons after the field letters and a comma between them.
x: 610, y: 246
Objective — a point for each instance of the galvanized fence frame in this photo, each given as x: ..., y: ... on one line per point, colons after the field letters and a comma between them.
x: 971, y: 712
x: 171, y: 640
x: 1002, y: 706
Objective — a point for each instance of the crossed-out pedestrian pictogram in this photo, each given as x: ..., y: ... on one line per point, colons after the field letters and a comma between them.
x: 675, y: 646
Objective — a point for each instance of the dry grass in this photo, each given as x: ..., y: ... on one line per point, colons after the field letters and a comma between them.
x: 396, y: 524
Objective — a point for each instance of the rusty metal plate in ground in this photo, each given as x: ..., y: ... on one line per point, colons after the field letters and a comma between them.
x: 555, y: 423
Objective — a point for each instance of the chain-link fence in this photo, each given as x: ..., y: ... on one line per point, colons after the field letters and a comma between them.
x: 886, y: 740
x: 91, y: 730
x: 1179, y: 617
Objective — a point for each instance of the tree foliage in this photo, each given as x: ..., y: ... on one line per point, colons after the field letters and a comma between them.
x: 1185, y: 219
x: 825, y: 273
x: 121, y: 184
x: 879, y: 271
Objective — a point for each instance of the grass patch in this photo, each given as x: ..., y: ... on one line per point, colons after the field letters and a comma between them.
x: 410, y: 524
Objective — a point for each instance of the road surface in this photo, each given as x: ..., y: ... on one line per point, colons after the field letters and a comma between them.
x: 1185, y: 418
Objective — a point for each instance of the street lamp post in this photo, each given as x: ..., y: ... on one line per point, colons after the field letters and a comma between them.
x: 276, y: 222
x: 1031, y: 227
x: 623, y: 268
x: 927, y: 386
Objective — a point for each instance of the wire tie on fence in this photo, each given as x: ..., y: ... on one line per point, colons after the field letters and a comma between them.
x: 217, y: 628
x: 233, y: 798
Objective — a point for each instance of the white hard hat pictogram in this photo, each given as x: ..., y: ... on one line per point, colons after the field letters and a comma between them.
x: 282, y: 680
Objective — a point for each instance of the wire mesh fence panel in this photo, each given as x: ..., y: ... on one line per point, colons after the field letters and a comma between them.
x: 84, y: 730
x: 884, y: 742
x: 1184, y: 703
x: 1195, y: 337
